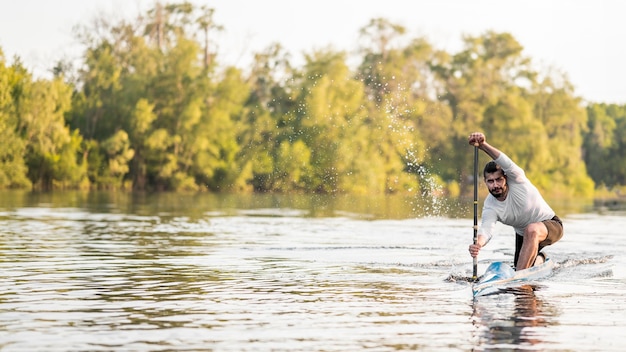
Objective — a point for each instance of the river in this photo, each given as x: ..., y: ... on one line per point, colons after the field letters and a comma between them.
x: 118, y: 272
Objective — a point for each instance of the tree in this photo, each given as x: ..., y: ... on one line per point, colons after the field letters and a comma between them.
x: 153, y: 75
x: 564, y: 120
x: 264, y: 129
x: 397, y: 81
x: 217, y: 166
x: 12, y: 164
x: 53, y: 151
x: 330, y: 121
x: 604, y: 144
x: 118, y: 153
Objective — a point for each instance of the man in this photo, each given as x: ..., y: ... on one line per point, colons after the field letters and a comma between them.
x: 514, y: 201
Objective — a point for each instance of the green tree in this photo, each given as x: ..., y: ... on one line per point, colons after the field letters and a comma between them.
x: 292, y: 166
x: 118, y: 153
x: 397, y: 80
x: 330, y: 121
x: 53, y: 152
x: 152, y: 75
x: 218, y: 166
x: 13, y: 168
x: 265, y: 125
x: 564, y: 120
x: 604, y: 144
x: 140, y: 127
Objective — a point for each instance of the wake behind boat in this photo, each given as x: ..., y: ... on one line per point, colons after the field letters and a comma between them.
x: 500, y: 275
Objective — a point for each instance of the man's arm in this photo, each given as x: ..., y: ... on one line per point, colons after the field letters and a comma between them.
x: 479, y: 138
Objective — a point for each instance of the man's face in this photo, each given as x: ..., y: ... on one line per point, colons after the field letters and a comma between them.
x: 496, y: 183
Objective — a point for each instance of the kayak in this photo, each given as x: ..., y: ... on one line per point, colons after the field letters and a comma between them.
x: 500, y: 275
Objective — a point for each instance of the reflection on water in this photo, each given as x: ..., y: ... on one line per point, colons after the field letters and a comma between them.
x: 197, y: 205
x: 518, y: 329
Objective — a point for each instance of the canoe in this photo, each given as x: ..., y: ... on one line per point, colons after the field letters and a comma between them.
x: 500, y: 275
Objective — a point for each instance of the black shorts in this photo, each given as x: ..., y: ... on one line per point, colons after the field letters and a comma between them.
x: 555, y: 232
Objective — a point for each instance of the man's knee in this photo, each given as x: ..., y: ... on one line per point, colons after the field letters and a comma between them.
x: 536, y: 232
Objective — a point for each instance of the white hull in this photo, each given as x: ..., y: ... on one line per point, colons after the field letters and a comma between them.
x: 499, y: 276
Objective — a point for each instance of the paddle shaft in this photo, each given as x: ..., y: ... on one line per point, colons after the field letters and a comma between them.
x: 475, y: 259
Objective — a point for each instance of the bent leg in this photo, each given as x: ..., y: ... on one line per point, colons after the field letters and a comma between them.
x: 534, y: 233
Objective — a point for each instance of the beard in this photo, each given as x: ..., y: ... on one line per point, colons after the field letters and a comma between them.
x: 498, y: 191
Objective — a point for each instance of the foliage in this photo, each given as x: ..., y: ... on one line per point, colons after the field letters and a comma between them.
x: 152, y: 107
x: 13, y: 167
x: 605, y: 144
x: 40, y: 150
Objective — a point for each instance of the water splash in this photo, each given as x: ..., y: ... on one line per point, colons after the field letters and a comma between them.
x: 430, y: 198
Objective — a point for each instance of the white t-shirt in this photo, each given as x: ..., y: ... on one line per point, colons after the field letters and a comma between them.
x: 523, y: 205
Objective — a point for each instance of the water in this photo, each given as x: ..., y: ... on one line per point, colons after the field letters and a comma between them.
x: 112, y: 272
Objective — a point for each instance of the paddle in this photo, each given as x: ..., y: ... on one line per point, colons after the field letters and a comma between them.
x: 475, y: 259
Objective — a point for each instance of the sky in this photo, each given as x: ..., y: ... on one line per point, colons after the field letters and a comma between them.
x: 586, y: 39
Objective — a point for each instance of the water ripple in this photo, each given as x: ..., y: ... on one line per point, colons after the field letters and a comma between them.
x: 74, y: 280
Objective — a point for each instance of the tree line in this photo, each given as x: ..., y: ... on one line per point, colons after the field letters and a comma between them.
x: 151, y: 108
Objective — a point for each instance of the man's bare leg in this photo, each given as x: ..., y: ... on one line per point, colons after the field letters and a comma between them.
x: 534, y: 233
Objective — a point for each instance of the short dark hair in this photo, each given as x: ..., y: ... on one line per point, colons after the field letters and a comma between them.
x: 492, y: 167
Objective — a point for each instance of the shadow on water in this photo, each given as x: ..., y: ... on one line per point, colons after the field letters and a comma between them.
x: 512, y: 319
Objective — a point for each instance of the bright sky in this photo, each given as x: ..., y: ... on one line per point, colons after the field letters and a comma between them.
x: 584, y: 38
